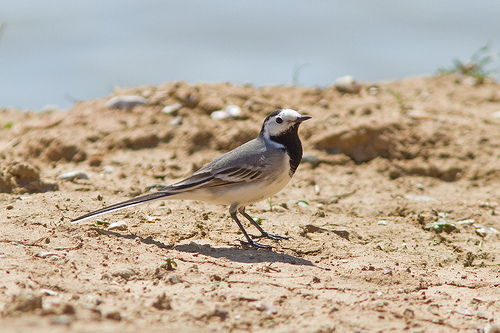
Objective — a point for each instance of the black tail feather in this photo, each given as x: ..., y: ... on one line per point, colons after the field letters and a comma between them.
x: 124, y: 204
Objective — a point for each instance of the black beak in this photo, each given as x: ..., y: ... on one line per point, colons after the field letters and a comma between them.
x: 302, y: 118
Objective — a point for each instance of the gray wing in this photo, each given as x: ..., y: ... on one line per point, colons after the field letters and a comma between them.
x: 246, y: 163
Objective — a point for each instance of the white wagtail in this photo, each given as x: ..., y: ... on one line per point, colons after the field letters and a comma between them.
x: 247, y: 174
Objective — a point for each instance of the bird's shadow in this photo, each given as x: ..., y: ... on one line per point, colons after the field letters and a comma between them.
x: 232, y: 253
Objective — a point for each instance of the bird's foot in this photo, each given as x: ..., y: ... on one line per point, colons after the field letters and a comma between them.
x: 270, y: 236
x: 255, y: 245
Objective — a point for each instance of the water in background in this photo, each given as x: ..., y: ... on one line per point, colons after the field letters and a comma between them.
x: 57, y: 51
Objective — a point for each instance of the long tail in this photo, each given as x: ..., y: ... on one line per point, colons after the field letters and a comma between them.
x: 124, y: 204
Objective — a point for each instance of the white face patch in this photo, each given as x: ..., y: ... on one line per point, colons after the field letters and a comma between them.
x: 281, y: 122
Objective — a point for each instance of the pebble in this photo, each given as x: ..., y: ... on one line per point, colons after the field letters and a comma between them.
x: 467, y: 222
x: 45, y: 254
x: 73, y: 175
x: 261, y: 306
x: 49, y: 292
x: 125, y: 102
x: 302, y: 204
x: 312, y: 159
x: 485, y: 231
x: 177, y: 121
x: 347, y: 84
x: 382, y: 222
x: 441, y: 225
x: 423, y: 198
x: 108, y: 169
x: 171, y: 108
x: 230, y: 111
x: 317, y: 189
x: 120, y: 225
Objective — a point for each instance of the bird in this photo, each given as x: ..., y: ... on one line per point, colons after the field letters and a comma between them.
x: 254, y: 171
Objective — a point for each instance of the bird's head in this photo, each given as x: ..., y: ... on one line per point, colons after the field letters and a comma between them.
x: 281, y: 122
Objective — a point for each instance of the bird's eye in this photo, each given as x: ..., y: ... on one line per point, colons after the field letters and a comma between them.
x: 279, y: 120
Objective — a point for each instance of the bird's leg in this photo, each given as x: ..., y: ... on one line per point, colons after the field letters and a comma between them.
x: 262, y: 231
x: 232, y: 211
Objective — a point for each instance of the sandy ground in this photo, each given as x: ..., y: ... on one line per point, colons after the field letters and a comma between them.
x: 393, y: 214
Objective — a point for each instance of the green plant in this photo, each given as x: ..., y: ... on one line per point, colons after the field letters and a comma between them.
x: 399, y: 99
x: 476, y: 67
x: 270, y: 201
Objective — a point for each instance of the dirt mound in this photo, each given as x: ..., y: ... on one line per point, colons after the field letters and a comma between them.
x: 21, y: 177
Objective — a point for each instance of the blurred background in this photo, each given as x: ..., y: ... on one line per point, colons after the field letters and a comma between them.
x: 54, y: 52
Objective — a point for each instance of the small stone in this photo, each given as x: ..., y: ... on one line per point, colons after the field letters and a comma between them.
x: 495, y: 115
x: 45, y: 254
x: 177, y: 121
x: 49, y: 292
x: 8, y: 207
x: 466, y: 222
x: 108, y: 169
x: 71, y: 176
x: 312, y: 159
x: 382, y: 222
x: 440, y: 226
x: 230, y: 111
x: 347, y: 84
x: 484, y: 231
x: 421, y: 198
x: 302, y: 204
x: 125, y: 102
x: 317, y: 189
x: 173, y: 108
x: 120, y: 225
x: 262, y: 306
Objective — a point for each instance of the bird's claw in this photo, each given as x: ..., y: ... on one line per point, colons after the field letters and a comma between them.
x: 270, y: 236
x: 255, y: 245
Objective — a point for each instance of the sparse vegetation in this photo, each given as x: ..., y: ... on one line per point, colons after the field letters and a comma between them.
x: 399, y: 99
x: 477, y: 67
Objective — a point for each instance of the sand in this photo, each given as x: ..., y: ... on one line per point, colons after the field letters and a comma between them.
x: 393, y: 214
